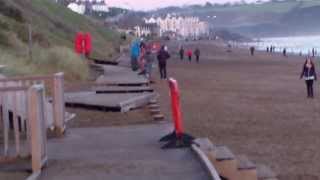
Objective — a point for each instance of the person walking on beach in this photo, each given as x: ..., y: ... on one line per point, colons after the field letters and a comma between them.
x: 162, y: 57
x: 309, y: 75
x: 141, y: 61
x: 189, y: 54
x: 252, y: 49
x: 149, y: 57
x: 197, y: 54
x: 284, y: 52
x: 181, y: 52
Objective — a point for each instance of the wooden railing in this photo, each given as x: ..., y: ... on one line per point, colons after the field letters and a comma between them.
x: 52, y: 83
x: 30, y: 140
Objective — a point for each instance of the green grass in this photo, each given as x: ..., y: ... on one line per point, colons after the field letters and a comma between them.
x: 45, y: 61
x: 54, y: 28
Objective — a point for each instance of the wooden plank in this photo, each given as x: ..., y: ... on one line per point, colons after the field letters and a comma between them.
x: 121, y: 89
x: 35, y: 124
x: 16, y: 124
x: 5, y: 114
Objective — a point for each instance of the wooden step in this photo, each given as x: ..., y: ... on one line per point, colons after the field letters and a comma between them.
x: 153, y: 101
x: 246, y: 169
x: 155, y: 111
x: 223, y: 153
x: 265, y: 173
x: 245, y: 164
x: 154, y: 106
x: 158, y: 117
x: 225, y: 162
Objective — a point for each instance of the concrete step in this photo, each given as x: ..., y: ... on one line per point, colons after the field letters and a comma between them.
x: 265, y: 173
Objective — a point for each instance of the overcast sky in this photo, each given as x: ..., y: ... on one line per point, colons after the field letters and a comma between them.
x: 153, y: 4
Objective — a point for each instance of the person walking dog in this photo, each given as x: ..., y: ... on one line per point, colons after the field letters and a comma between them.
x: 309, y: 75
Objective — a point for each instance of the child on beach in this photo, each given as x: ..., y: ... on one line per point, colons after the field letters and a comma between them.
x: 309, y: 75
x: 189, y: 54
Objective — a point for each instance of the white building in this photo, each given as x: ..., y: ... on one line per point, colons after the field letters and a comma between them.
x: 182, y: 26
x: 80, y: 6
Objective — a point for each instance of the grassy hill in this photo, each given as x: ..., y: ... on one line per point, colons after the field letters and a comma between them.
x: 54, y: 28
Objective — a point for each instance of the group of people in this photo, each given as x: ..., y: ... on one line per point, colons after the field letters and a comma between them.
x: 143, y: 56
x: 189, y: 53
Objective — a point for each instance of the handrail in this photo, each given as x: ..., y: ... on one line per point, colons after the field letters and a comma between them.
x: 26, y: 78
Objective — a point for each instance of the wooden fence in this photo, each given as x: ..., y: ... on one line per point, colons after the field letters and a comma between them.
x: 54, y: 84
x: 30, y: 140
x: 26, y: 115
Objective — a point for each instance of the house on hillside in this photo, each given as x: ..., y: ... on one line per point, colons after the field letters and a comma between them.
x: 86, y: 6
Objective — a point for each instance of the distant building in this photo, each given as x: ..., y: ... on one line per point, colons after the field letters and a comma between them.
x: 86, y: 6
x: 147, y: 30
x: 186, y: 27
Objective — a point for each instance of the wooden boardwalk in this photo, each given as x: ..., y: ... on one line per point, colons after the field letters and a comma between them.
x: 108, y: 102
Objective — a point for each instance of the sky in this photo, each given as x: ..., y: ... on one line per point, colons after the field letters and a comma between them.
x: 153, y: 4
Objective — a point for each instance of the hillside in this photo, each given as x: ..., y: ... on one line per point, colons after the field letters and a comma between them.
x: 256, y: 19
x: 54, y: 28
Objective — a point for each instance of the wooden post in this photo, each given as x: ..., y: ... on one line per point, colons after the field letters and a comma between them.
x: 59, y: 103
x: 16, y: 124
x: 5, y: 117
x: 38, y: 127
x: 30, y: 41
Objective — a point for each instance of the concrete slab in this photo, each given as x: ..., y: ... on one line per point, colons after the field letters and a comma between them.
x: 127, y: 153
x: 108, y: 102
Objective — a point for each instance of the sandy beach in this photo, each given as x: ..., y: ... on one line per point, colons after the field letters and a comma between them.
x: 255, y: 105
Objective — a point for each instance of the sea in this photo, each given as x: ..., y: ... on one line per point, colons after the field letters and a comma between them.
x: 294, y: 45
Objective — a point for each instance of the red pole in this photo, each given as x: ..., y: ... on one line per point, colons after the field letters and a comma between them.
x: 175, y: 105
x: 178, y: 138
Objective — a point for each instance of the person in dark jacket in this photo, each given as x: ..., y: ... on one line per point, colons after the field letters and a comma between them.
x: 181, y: 52
x: 309, y: 75
x: 252, y: 49
x: 197, y: 54
x: 162, y: 57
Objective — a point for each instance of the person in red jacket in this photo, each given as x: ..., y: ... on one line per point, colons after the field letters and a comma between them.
x: 189, y: 54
